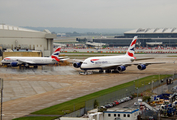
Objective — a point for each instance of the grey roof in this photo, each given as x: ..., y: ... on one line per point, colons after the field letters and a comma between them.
x: 9, y: 27
x: 152, y: 30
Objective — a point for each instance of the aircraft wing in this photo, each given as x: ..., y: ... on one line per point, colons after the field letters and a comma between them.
x: 76, y: 60
x: 145, y: 58
x: 114, y: 66
x: 148, y: 63
x: 24, y: 61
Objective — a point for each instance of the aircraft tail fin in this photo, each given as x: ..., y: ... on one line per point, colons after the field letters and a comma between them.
x: 56, y: 54
x: 131, y: 49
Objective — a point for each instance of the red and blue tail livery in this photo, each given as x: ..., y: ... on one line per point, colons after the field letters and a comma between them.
x: 56, y: 54
x: 131, y: 49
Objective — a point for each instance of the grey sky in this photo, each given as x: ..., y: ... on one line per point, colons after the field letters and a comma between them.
x: 89, y: 13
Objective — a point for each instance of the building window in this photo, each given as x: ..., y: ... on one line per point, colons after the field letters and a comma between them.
x: 114, y: 115
x: 128, y: 115
x: 109, y: 115
x: 124, y: 115
x: 118, y: 115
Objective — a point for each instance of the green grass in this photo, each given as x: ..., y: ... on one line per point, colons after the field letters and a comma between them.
x: 99, y: 52
x: 36, y: 118
x: 94, y: 53
x: 172, y: 56
x: 78, y: 103
x: 84, y: 56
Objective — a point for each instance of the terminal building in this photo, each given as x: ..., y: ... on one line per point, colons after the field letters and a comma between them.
x: 17, y: 39
x: 150, y: 37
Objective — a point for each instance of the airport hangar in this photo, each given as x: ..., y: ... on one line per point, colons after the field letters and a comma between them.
x: 146, y: 37
x: 21, y: 39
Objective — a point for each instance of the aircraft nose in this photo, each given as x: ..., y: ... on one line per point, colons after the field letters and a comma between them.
x: 82, y: 65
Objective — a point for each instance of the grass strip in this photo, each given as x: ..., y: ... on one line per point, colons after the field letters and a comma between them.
x: 36, y: 118
x: 95, y: 52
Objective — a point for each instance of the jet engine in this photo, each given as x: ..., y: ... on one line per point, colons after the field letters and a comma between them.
x: 14, y: 64
x: 121, y: 68
x: 77, y: 65
x: 141, y: 67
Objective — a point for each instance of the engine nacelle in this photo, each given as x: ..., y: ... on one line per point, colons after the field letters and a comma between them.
x: 77, y: 65
x: 121, y: 68
x: 14, y: 64
x: 141, y: 67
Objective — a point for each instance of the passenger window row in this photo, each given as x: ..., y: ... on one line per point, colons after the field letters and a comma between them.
x: 118, y: 115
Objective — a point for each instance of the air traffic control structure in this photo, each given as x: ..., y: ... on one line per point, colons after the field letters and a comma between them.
x: 16, y: 38
x: 146, y: 37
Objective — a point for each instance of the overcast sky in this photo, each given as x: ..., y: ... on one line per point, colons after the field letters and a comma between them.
x: 89, y: 13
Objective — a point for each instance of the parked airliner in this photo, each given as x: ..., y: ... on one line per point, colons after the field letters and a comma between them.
x: 113, y: 63
x: 33, y: 61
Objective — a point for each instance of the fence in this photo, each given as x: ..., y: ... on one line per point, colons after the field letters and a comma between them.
x: 149, y: 115
x: 77, y: 113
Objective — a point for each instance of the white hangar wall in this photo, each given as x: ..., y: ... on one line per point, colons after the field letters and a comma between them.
x: 19, y: 38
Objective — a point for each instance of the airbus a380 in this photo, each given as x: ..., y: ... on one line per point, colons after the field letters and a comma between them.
x: 33, y: 61
x: 115, y: 63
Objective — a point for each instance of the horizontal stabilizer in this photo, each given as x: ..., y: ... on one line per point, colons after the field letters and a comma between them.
x: 65, y: 59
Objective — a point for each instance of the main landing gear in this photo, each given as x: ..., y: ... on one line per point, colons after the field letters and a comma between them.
x: 24, y: 66
x: 101, y: 71
x: 108, y: 71
x: 86, y: 72
x: 36, y: 66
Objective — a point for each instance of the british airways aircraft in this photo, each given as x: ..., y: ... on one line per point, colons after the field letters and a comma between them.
x: 33, y: 61
x: 113, y: 63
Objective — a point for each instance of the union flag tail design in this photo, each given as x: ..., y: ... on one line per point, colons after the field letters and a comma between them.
x: 56, y: 54
x: 131, y: 49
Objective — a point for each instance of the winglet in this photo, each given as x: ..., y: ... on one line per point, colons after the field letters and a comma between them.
x: 131, y: 49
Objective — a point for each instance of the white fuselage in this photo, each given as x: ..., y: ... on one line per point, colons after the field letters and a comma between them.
x: 30, y: 60
x: 101, y: 62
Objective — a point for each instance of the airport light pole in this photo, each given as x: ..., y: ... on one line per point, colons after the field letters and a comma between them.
x: 152, y: 86
x: 126, y: 92
x: 137, y: 97
x: 143, y: 87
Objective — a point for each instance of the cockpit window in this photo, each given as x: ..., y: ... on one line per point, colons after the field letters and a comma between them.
x: 84, y: 63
